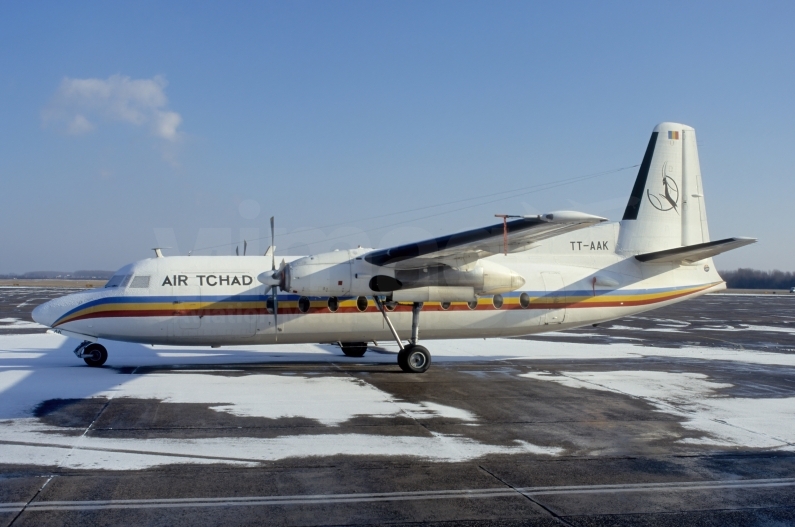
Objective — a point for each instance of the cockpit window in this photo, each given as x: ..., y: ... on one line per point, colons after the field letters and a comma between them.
x: 140, y: 282
x: 118, y: 280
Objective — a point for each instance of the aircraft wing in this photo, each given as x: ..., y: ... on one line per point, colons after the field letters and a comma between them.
x: 469, y: 246
x: 694, y: 253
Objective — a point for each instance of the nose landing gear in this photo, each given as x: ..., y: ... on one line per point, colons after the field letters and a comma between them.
x: 92, y: 353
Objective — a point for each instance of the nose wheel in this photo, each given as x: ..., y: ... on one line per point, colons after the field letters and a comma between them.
x: 93, y: 354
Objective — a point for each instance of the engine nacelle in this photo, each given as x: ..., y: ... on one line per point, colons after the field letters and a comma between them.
x: 346, y: 273
x: 484, y: 277
x: 326, y: 274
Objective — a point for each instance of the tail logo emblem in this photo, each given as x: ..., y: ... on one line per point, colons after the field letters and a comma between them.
x: 669, y: 198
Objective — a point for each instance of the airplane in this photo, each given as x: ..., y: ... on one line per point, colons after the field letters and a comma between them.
x: 528, y: 274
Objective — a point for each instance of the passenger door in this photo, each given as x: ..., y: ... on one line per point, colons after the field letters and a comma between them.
x: 556, y: 296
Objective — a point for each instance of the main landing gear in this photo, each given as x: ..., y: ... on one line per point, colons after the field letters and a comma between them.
x: 412, y: 358
x: 353, y: 349
x: 92, y: 353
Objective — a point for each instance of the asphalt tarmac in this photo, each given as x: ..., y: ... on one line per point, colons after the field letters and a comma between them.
x: 680, y: 416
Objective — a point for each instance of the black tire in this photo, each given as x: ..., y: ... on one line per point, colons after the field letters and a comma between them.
x: 414, y: 359
x: 95, y: 355
x: 402, y: 354
x: 354, y: 349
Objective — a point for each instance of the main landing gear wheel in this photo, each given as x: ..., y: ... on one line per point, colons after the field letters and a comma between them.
x: 414, y: 359
x: 353, y: 349
x: 95, y: 355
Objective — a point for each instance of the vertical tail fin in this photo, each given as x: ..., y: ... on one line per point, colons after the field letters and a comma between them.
x: 666, y: 208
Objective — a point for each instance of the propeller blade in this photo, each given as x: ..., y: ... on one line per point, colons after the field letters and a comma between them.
x: 245, y: 246
x: 237, y: 251
x: 273, y: 244
x: 275, y: 312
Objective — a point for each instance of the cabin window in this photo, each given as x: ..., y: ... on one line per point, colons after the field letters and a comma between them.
x: 303, y: 304
x: 116, y: 280
x: 445, y: 305
x: 497, y: 301
x: 361, y: 303
x: 333, y: 304
x: 269, y: 304
x: 390, y: 306
x: 140, y: 282
x: 473, y: 304
x: 524, y: 300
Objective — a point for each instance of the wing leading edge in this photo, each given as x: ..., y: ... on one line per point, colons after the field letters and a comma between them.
x: 469, y: 246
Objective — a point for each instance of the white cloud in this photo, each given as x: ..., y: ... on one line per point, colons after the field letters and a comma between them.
x: 140, y: 102
x: 166, y: 124
x: 79, y: 125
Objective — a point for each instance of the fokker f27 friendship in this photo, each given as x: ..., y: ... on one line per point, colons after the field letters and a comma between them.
x: 528, y: 274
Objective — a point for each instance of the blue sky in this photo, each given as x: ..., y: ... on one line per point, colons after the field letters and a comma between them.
x: 130, y: 125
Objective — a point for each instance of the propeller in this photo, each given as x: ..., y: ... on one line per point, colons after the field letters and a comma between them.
x: 275, y: 278
x: 274, y: 291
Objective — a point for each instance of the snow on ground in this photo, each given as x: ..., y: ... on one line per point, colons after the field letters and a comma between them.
x: 52, y: 372
x: 749, y: 327
x: 36, y: 444
x: 15, y: 323
x: 726, y: 421
x: 36, y: 368
x: 327, y: 400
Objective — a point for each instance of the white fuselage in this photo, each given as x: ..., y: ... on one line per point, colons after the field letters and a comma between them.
x: 570, y: 280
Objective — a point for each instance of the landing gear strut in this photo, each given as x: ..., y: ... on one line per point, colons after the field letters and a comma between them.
x: 412, y: 358
x: 92, y: 353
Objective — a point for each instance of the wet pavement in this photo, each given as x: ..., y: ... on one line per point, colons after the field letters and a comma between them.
x: 679, y: 416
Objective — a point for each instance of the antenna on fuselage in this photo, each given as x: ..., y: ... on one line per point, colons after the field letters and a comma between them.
x: 159, y: 251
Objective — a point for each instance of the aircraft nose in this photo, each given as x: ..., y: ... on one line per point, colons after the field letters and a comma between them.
x: 44, y: 314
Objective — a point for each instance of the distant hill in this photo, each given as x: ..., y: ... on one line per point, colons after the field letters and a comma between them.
x: 63, y: 275
x: 753, y: 279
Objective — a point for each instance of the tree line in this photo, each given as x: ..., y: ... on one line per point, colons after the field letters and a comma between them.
x: 75, y: 275
x: 755, y: 279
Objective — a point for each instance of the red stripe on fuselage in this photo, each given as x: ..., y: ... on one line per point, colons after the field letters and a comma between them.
x: 205, y: 312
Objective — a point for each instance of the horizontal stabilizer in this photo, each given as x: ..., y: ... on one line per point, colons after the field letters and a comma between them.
x: 694, y: 253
